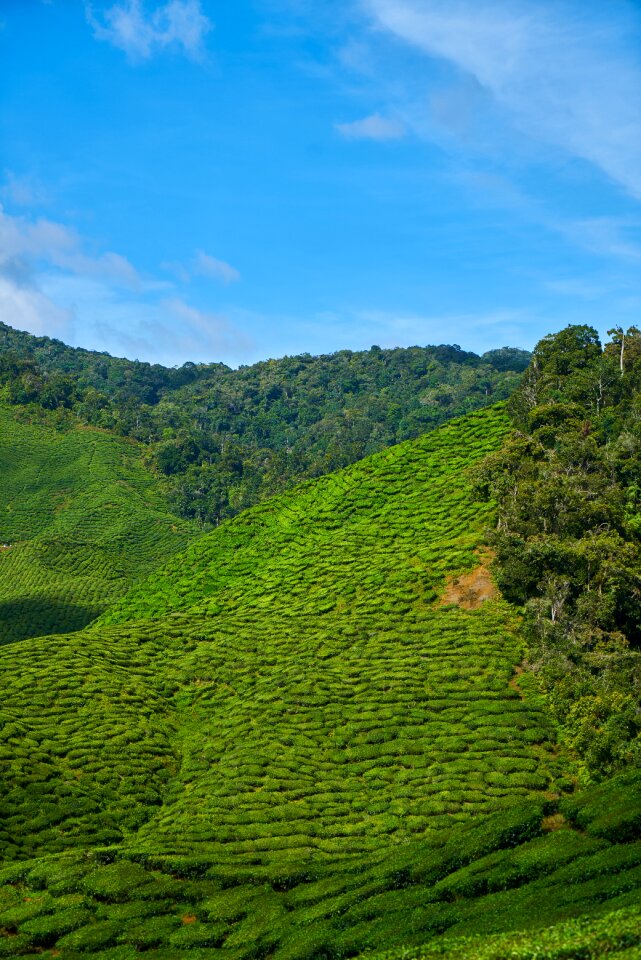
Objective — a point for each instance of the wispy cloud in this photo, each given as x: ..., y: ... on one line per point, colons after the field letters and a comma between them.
x: 50, y: 285
x: 359, y: 328
x: 22, y: 191
x: 577, y: 288
x: 563, y: 74
x: 478, y: 330
x: 611, y: 237
x: 161, y: 330
x: 206, y: 266
x: 373, y: 127
x: 178, y: 24
x: 24, y: 243
x: 616, y: 238
x: 214, y: 329
x: 202, y: 265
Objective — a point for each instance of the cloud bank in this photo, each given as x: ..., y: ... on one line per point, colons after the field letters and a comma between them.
x: 51, y: 286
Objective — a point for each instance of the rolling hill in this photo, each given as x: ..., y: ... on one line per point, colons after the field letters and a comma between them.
x: 309, y: 736
x: 226, y: 439
x: 81, y: 518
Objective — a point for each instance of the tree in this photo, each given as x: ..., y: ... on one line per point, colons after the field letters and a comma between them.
x: 628, y: 342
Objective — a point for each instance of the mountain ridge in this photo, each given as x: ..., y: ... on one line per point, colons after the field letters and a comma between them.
x: 226, y: 439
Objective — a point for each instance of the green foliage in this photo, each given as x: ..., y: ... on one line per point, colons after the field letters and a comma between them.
x: 612, y: 811
x: 568, y: 538
x: 241, y: 699
x: 81, y: 519
x: 618, y: 934
x: 479, y: 890
x: 285, y: 743
x: 227, y: 439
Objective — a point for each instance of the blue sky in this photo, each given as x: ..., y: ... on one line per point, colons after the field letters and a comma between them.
x: 213, y: 180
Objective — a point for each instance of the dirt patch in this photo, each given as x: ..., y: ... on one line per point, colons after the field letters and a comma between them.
x: 470, y: 590
x: 553, y: 822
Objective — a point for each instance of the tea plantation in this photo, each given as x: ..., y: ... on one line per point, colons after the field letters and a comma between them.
x: 302, y: 739
x: 80, y: 520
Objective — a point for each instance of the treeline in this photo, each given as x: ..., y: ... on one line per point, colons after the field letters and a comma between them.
x: 568, y: 537
x: 225, y: 439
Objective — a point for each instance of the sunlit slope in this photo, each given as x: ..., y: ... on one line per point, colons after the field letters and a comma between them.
x: 314, y: 757
x: 80, y: 520
x: 321, y: 699
x: 375, y: 539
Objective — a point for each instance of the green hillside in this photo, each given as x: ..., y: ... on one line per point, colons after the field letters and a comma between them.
x: 81, y: 519
x: 308, y: 737
x: 226, y: 439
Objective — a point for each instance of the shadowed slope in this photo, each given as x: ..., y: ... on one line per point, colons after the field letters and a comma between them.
x: 81, y: 519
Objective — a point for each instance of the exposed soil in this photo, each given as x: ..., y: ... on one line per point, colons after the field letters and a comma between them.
x: 553, y: 822
x: 470, y: 590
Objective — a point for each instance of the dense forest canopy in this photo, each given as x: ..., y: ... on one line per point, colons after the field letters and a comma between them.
x: 568, y: 536
x: 226, y: 439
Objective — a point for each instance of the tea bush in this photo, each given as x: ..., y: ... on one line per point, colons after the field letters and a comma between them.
x: 466, y: 892
x: 81, y: 519
x: 286, y: 743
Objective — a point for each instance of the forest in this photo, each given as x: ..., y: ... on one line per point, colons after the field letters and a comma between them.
x: 567, y: 537
x: 225, y: 439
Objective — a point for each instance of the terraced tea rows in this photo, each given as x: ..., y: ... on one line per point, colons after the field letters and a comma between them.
x: 382, y: 535
x: 286, y: 744
x: 80, y: 520
x: 464, y: 892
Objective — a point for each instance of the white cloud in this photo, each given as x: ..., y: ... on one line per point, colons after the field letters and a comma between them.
x: 177, y: 24
x: 478, y: 331
x: 358, y: 328
x: 50, y: 286
x: 374, y: 127
x: 563, y: 74
x: 202, y: 265
x: 206, y: 266
x: 22, y: 191
x: 213, y: 329
x: 28, y: 308
x: 160, y: 330
x: 24, y: 243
